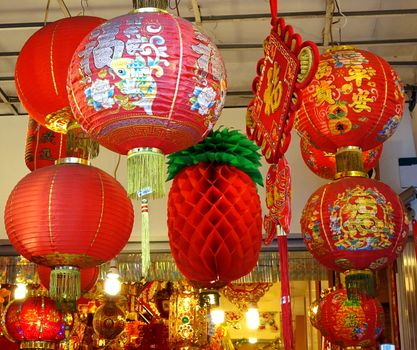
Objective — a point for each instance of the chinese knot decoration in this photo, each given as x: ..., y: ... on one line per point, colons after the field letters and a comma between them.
x: 81, y: 217
x: 355, y: 99
x: 349, y: 322
x: 214, y: 211
x: 35, y: 323
x: 354, y: 223
x: 147, y: 84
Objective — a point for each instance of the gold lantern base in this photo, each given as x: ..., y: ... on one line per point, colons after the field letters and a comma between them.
x: 349, y: 162
x: 360, y: 282
x: 34, y: 345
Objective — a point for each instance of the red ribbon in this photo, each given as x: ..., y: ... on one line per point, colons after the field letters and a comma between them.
x: 273, y: 5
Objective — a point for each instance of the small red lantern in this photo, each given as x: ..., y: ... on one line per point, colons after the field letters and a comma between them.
x: 109, y: 320
x: 354, y: 223
x: 88, y: 277
x: 68, y: 216
x: 35, y: 323
x: 355, y: 99
x: 350, y: 322
x: 42, y: 91
x: 147, y: 84
x: 43, y: 146
x: 323, y: 163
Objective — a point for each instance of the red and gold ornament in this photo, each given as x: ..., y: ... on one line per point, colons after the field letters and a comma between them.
x: 109, y: 320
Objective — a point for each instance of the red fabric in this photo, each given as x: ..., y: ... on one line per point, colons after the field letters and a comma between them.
x: 43, y: 62
x: 355, y: 99
x: 153, y: 336
x: 353, y: 322
x: 34, y: 318
x: 214, y: 223
x: 278, y: 199
x: 6, y: 344
x: 354, y: 223
x: 323, y: 163
x: 147, y: 80
x: 88, y: 277
x: 68, y: 214
x: 43, y: 146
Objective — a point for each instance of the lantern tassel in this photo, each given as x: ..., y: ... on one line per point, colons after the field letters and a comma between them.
x: 360, y: 282
x: 146, y: 173
x: 349, y: 162
x: 145, y: 239
x: 80, y: 144
x: 65, y: 286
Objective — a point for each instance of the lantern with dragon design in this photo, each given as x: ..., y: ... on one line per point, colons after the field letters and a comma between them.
x: 68, y: 216
x: 348, y: 322
x: 355, y: 225
x: 35, y: 323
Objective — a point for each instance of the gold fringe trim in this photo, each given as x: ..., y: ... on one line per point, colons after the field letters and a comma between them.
x: 146, y: 173
x: 349, y: 159
x: 80, y: 144
x: 65, y: 286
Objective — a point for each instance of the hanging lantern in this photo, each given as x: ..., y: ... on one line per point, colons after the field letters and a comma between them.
x: 68, y: 216
x: 350, y: 322
x: 147, y: 84
x: 355, y: 99
x: 323, y: 163
x: 35, y: 323
x: 42, y: 90
x: 214, y: 212
x: 352, y: 224
x: 109, y: 320
x: 88, y: 277
x: 43, y: 146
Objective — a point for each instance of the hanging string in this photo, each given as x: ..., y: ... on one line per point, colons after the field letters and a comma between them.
x: 340, y: 28
x: 84, y: 5
x: 117, y: 166
x: 273, y: 5
x: 45, y: 18
x: 175, y: 6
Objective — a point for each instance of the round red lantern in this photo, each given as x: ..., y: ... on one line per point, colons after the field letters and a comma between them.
x: 323, y: 163
x: 147, y: 84
x: 43, y: 146
x: 354, y: 223
x: 35, y: 323
x: 42, y: 91
x: 350, y: 322
x: 88, y: 277
x: 68, y: 216
x: 214, y: 211
x: 109, y: 320
x: 355, y: 99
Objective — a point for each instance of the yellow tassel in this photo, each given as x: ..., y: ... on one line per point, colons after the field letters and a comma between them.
x: 349, y: 162
x: 80, y: 144
x: 145, y: 239
x: 146, y: 173
x: 65, y: 286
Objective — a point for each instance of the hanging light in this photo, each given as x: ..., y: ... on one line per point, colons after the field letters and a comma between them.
x: 20, y: 291
x: 112, y: 284
x: 252, y: 340
x: 252, y: 317
x: 217, y: 315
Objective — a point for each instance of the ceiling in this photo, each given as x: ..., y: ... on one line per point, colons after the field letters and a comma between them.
x: 387, y: 28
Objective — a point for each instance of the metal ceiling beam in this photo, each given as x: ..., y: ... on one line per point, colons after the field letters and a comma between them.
x: 4, y: 99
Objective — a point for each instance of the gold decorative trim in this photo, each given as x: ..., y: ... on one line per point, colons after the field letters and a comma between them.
x: 72, y: 160
x: 306, y: 58
x: 149, y: 10
x: 349, y: 148
x: 135, y: 151
x: 352, y: 173
x: 51, y: 187
x: 101, y: 212
x: 29, y: 344
x: 174, y: 99
x: 340, y: 48
x: 51, y: 61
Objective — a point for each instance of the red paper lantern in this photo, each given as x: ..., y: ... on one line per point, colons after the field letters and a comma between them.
x: 109, y: 321
x: 354, y: 223
x: 356, y: 99
x: 214, y: 211
x: 35, y: 323
x: 68, y: 214
x: 147, y: 83
x: 350, y: 322
x: 43, y: 146
x: 42, y: 91
x: 323, y: 163
x: 88, y: 277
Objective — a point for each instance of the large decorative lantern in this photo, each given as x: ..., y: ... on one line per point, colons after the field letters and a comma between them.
x: 147, y: 84
x: 356, y: 99
x: 350, y: 322
x: 35, y: 323
x: 109, y: 320
x: 214, y: 212
x: 354, y: 223
x: 323, y: 163
x: 42, y: 66
x: 68, y: 216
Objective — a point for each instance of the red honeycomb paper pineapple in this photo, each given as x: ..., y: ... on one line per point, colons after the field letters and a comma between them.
x: 214, y: 211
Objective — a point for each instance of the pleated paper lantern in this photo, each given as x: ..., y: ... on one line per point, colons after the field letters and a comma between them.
x: 214, y: 212
x: 42, y: 91
x: 68, y: 216
x: 350, y: 322
x: 35, y: 323
x: 147, y: 84
x: 323, y: 163
x: 355, y: 99
x: 88, y: 277
x: 355, y: 224
x: 109, y: 320
x: 43, y: 146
